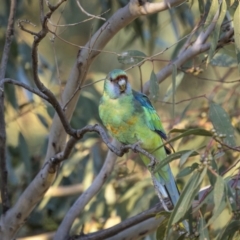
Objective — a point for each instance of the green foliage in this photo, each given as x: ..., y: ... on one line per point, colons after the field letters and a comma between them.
x: 220, y: 8
x: 198, y: 159
x: 188, y: 194
x: 174, y: 156
x: 202, y: 229
x: 221, y: 123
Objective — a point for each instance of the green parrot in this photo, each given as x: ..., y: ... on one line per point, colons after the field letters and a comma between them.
x: 130, y: 118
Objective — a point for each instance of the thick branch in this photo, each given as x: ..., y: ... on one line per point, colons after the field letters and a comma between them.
x: 9, y: 38
x: 78, y: 206
x: 15, y: 217
x: 194, y: 50
x: 130, y: 222
x: 3, y: 67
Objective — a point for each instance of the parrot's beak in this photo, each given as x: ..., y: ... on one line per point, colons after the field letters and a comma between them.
x: 122, y: 85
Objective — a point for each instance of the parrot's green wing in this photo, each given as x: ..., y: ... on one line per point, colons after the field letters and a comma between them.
x: 153, y: 120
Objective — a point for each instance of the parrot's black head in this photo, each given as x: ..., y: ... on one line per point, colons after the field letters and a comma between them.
x: 116, y: 84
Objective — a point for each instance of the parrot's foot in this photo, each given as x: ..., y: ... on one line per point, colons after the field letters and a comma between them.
x: 135, y: 146
x: 152, y: 163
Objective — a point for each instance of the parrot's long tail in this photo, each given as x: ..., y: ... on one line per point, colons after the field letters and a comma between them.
x: 168, y: 189
x: 171, y: 187
x: 165, y: 185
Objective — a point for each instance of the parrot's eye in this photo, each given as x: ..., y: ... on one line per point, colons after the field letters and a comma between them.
x: 111, y: 79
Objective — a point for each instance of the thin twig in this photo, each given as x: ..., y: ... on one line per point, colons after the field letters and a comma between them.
x: 90, y: 50
x: 52, y: 99
x: 20, y: 25
x: 227, y: 146
x: 230, y: 168
x: 23, y: 85
x: 41, y: 11
x: 75, y: 24
x: 185, y: 100
x: 82, y: 47
x: 92, y: 83
x: 3, y: 67
x: 88, y: 14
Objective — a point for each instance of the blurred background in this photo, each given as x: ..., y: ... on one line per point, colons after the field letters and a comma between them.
x: 129, y: 190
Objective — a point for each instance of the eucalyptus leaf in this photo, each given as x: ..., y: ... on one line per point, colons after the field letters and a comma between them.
x: 161, y: 229
x: 222, y: 8
x: 217, y: 211
x: 172, y: 157
x: 212, y: 178
x: 185, y: 133
x: 218, y: 192
x: 184, y: 203
x: 192, y: 131
x: 187, y: 170
x: 202, y: 229
x: 211, y: 13
x: 185, y: 157
x: 222, y: 123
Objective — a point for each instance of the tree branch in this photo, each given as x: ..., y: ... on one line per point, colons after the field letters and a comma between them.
x: 23, y: 85
x: 3, y: 67
x: 9, y: 38
x: 189, y: 53
x: 15, y: 217
x: 128, y: 223
x: 88, y: 14
x: 52, y: 99
x: 80, y: 203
